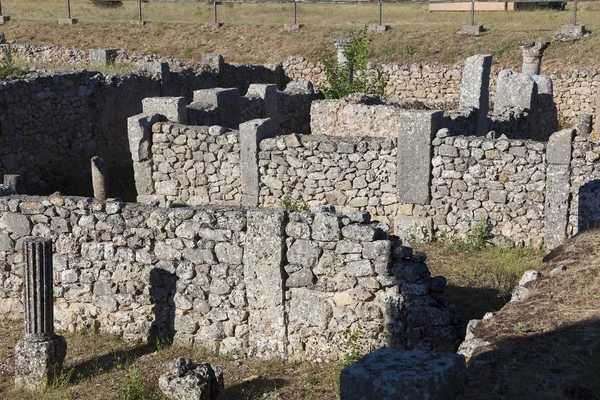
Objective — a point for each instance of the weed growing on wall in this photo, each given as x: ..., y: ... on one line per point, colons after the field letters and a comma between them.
x: 9, y: 70
x: 294, y: 204
x: 353, y: 76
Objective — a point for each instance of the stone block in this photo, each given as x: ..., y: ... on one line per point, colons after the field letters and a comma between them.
x: 137, y: 22
x: 416, y: 130
x: 139, y: 133
x: 67, y: 21
x: 212, y: 26
x: 571, y: 32
x: 378, y: 29
x: 474, y: 89
x: 556, y: 205
x: 102, y: 57
x: 544, y: 84
x: 214, y: 61
x: 172, y: 108
x: 471, y: 30
x: 558, y: 149
x: 391, y: 373
x: 38, y: 363
x: 300, y: 87
x: 515, y: 90
x: 226, y: 101
x: 251, y: 133
x: 268, y: 94
x: 185, y: 380
x: 4, y: 19
x: 292, y: 28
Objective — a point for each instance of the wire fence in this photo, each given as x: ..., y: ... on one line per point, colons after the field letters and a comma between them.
x: 292, y: 14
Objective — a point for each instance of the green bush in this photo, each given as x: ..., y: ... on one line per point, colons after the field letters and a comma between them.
x: 340, y: 83
x: 9, y: 70
x: 107, y: 3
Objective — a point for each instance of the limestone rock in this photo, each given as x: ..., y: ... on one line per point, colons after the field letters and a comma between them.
x: 186, y: 380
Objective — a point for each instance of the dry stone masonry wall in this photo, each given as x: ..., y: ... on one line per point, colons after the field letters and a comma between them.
x: 258, y: 281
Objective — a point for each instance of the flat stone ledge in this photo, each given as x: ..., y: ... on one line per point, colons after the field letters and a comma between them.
x: 471, y: 30
x: 67, y: 21
x: 392, y: 373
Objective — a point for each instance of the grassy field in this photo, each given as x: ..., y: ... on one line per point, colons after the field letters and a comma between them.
x: 252, y: 32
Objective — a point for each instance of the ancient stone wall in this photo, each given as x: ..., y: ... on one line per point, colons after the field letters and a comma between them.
x: 575, y: 90
x: 257, y: 281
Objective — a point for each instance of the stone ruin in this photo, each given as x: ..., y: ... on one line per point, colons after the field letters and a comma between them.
x: 195, y: 261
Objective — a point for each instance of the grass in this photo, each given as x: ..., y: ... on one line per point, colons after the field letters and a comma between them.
x: 416, y: 34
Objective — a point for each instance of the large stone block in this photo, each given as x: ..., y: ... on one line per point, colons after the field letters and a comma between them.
x: 558, y: 150
x: 515, y: 90
x: 268, y: 94
x: 416, y: 129
x: 171, y: 108
x: 474, y: 89
x: 394, y: 374
x: 38, y: 363
x: 226, y: 101
x: 251, y: 133
x: 102, y: 57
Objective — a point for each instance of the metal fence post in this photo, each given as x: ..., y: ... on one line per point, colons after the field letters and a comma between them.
x: 215, y: 11
x: 295, y: 12
x: 574, y: 12
x: 472, y: 12
x: 380, y: 12
x: 69, y: 9
x: 140, y: 10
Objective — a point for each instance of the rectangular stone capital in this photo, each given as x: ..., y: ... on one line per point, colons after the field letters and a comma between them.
x: 172, y: 108
x: 416, y: 130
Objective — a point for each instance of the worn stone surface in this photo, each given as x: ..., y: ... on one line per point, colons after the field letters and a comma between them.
x: 390, y: 373
x: 416, y: 130
x: 171, y: 108
x: 251, y: 134
x: 474, y: 89
x: 515, y: 90
x: 37, y: 363
x: 102, y: 57
x: 186, y: 380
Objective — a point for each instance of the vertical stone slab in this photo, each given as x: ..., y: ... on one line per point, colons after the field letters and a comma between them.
x: 100, y: 182
x: 40, y: 354
x: 139, y: 132
x: 216, y: 62
x: 416, y: 130
x: 474, y: 89
x: 558, y: 177
x: 584, y: 125
x: 251, y: 133
x: 268, y: 94
x: 102, y: 57
x: 515, y: 90
x: 227, y: 102
x: 172, y: 108
x: 264, y: 253
x: 162, y: 70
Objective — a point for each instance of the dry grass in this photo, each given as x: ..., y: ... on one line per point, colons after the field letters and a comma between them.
x: 98, y: 366
x: 551, y: 341
x: 252, y: 32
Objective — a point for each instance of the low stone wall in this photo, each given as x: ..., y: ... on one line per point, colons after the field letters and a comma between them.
x: 255, y: 281
x: 575, y: 90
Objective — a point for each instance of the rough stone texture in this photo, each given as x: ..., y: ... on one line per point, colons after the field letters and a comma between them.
x: 515, y: 90
x: 532, y: 56
x: 171, y: 108
x: 226, y: 103
x: 103, y: 57
x: 186, y: 380
x: 252, y: 281
x: 378, y: 29
x: 390, y: 373
x: 474, y: 89
x: 38, y: 363
x: 557, y: 191
x: 355, y: 115
x: 251, y: 133
x: 99, y: 178
x: 571, y: 32
x: 416, y: 130
x: 471, y: 30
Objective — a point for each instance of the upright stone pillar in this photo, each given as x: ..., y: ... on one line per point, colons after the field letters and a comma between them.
x: 341, y: 44
x: 99, y: 178
x: 268, y: 94
x: 474, y: 89
x: 416, y: 130
x: 40, y: 354
x: 584, y: 125
x: 251, y: 133
x: 227, y: 102
x: 558, y: 184
x: 532, y: 56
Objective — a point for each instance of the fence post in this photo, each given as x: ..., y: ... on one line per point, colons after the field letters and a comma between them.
x: 574, y: 12
x: 472, y: 12
x: 294, y: 27
x: 68, y: 20
x: 215, y: 11
x: 380, y: 12
x: 295, y: 13
x: 140, y: 10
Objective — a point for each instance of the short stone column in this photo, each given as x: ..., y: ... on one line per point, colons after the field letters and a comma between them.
x: 40, y: 354
x: 584, y: 124
x: 474, y: 89
x: 532, y: 56
x: 251, y: 133
x: 341, y: 44
x: 99, y: 178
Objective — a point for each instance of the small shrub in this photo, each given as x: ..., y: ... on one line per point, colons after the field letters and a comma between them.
x: 107, y: 3
x: 294, y: 204
x: 137, y: 389
x: 9, y: 70
x: 340, y: 83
